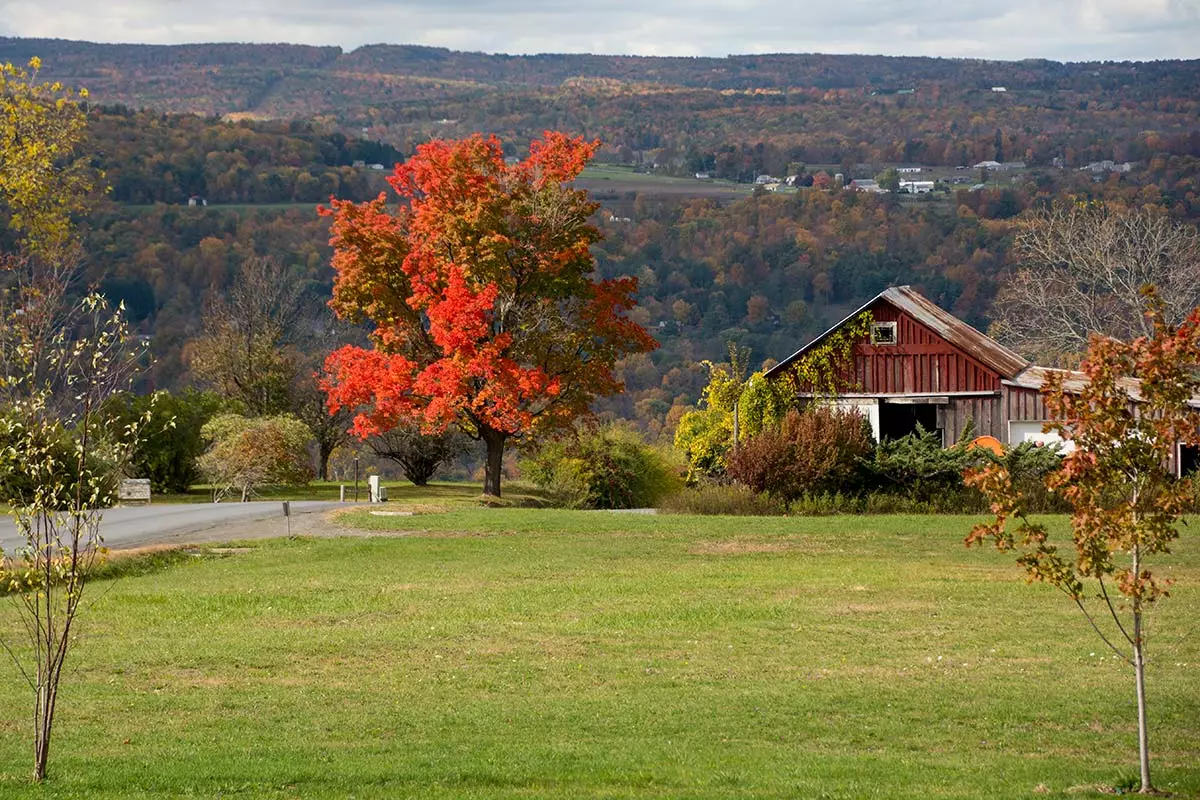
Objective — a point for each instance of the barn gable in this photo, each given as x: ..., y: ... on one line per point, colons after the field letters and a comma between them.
x: 922, y: 366
x: 933, y: 351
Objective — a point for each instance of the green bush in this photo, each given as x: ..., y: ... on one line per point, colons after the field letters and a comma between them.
x: 731, y: 499
x: 703, y: 438
x: 916, y: 474
x: 607, y: 468
x: 171, y: 443
x: 920, y: 468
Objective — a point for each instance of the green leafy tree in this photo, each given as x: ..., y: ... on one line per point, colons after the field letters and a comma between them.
x: 419, y: 454
x: 1125, y: 502
x: 172, y: 441
x: 703, y: 437
x: 889, y: 180
x: 247, y: 453
x: 762, y: 404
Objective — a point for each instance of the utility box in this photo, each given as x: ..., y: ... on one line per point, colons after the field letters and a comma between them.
x: 376, y: 490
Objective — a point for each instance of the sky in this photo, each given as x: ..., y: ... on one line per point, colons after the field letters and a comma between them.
x: 1064, y: 30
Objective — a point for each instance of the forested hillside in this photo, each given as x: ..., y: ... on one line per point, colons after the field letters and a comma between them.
x: 257, y: 136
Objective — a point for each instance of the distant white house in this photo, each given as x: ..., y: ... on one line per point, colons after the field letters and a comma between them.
x: 999, y: 89
x: 1000, y: 165
x: 197, y: 200
x: 1107, y: 165
x: 763, y: 180
x: 916, y: 187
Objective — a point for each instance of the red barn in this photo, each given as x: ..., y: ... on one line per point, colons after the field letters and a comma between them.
x: 922, y: 365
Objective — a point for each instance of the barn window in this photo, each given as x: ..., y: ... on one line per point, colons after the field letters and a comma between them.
x: 883, y: 333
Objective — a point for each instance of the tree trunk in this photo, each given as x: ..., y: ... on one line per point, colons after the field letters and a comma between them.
x: 41, y: 740
x: 324, y: 451
x: 495, y: 460
x: 1139, y: 673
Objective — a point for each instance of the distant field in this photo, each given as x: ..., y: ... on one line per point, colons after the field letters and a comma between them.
x: 519, y: 653
x: 602, y: 178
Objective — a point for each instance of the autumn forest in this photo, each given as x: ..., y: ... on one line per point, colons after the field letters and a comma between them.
x: 214, y: 155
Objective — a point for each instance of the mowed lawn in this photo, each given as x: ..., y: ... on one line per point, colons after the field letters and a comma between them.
x: 523, y: 653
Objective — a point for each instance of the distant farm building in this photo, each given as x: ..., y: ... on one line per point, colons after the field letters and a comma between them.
x: 866, y: 185
x: 916, y: 187
x: 922, y: 366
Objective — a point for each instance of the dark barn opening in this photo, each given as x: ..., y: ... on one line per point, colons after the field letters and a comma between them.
x: 897, y: 420
x: 1189, y: 460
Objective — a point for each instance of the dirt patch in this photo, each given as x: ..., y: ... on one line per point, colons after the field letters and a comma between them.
x: 737, y: 547
x: 748, y: 546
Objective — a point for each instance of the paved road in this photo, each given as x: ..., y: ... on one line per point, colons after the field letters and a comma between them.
x: 143, y: 525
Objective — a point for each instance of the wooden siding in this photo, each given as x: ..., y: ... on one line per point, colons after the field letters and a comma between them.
x: 921, y: 362
x: 1023, y: 405
x: 987, y: 414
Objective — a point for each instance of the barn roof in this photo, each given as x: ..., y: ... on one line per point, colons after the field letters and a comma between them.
x: 983, y: 349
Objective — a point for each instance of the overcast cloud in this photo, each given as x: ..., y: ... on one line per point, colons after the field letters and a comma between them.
x: 1009, y: 29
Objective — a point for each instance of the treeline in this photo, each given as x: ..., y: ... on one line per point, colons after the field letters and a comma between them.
x: 150, y: 158
x: 736, y: 116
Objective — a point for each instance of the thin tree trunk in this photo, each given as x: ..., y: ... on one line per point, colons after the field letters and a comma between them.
x: 495, y: 460
x: 1139, y: 672
x: 45, y: 721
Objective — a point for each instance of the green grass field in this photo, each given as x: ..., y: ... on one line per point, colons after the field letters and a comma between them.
x: 519, y: 653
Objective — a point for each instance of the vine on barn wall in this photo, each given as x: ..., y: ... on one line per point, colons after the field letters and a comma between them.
x: 826, y: 369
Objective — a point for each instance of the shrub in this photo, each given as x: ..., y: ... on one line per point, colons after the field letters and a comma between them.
x: 703, y: 439
x: 915, y: 474
x: 731, y: 499
x: 924, y: 471
x: 251, y: 452
x: 607, y: 468
x: 812, y: 452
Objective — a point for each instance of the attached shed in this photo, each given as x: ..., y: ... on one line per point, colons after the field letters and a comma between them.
x: 921, y: 365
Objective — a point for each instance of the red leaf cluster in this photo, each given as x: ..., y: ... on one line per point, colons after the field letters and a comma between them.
x: 480, y: 288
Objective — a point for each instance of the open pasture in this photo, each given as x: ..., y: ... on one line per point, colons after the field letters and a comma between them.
x: 528, y: 653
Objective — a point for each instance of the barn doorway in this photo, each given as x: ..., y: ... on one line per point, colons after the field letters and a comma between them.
x: 897, y: 420
x: 1189, y: 460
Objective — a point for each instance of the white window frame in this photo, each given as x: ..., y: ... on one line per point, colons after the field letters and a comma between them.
x: 881, y: 326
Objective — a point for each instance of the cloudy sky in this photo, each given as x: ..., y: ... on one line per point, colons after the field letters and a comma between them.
x: 1008, y: 29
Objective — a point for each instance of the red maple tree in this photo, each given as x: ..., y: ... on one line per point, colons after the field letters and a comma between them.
x: 481, y: 291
